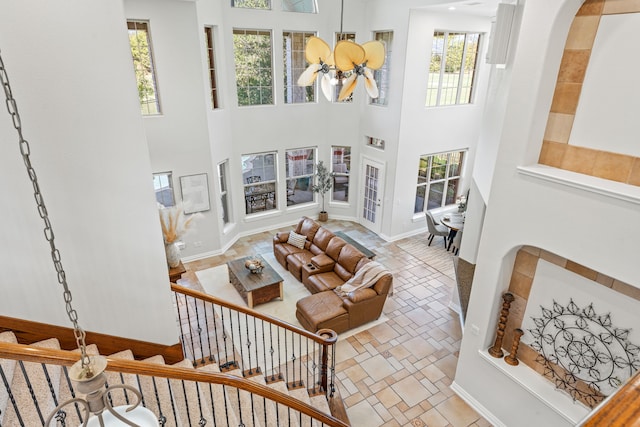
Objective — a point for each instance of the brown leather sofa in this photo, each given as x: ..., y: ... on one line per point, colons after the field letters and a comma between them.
x: 324, y: 263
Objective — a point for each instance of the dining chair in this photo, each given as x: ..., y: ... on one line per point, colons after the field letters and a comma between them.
x: 455, y: 244
x: 436, y: 229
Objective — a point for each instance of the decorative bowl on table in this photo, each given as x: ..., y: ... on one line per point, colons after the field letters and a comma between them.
x: 254, y: 265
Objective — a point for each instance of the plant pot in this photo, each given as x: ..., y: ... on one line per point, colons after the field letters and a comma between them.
x: 173, y: 254
x: 323, y: 216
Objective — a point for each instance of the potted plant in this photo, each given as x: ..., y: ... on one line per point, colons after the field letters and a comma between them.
x: 324, y: 182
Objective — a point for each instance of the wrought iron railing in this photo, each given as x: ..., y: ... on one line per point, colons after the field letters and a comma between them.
x: 215, y: 330
x: 178, y: 396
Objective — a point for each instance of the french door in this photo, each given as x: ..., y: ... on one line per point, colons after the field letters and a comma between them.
x: 372, y: 194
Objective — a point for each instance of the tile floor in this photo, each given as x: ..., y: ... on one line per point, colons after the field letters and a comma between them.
x: 397, y: 373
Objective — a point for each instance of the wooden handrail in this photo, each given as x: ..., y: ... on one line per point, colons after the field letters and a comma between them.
x: 67, y: 358
x: 619, y: 409
x: 323, y: 337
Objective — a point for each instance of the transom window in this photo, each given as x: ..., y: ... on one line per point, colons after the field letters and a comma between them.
x: 300, y: 164
x: 293, y: 44
x: 452, y: 71
x: 211, y: 57
x: 340, y: 166
x: 438, y: 180
x: 143, y: 65
x: 254, y: 70
x: 252, y: 4
x: 381, y: 75
x: 260, y: 181
x: 303, y: 6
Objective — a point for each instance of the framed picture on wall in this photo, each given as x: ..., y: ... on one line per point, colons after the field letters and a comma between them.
x: 195, y: 193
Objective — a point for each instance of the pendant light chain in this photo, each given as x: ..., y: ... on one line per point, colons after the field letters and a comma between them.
x: 25, y: 151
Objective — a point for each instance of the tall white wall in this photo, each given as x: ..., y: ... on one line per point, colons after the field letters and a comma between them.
x: 70, y: 69
x: 528, y: 211
x: 432, y: 130
x: 178, y: 138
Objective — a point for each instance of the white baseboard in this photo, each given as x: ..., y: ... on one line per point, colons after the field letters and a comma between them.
x: 477, y: 406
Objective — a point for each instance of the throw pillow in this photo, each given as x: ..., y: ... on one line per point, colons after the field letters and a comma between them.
x: 296, y: 240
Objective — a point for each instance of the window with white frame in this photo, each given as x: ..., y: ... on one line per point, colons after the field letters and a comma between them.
x: 254, y: 70
x: 211, y: 64
x: 452, y: 70
x: 252, y: 4
x: 260, y: 182
x: 163, y: 187
x: 381, y: 75
x: 293, y: 44
x: 340, y: 76
x: 302, y: 6
x: 223, y: 179
x: 144, y: 67
x: 340, y: 167
x: 300, y: 164
x: 438, y: 180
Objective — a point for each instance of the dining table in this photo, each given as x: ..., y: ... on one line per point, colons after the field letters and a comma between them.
x: 454, y: 221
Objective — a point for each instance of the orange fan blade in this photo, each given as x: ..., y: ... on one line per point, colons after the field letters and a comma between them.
x: 348, y: 87
x: 374, y: 54
x: 348, y: 54
x: 309, y: 75
x: 316, y: 50
x: 370, y: 83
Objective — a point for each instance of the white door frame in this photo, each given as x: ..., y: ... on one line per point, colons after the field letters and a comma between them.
x: 376, y: 224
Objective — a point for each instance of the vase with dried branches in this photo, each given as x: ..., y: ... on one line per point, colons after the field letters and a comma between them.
x: 175, y: 224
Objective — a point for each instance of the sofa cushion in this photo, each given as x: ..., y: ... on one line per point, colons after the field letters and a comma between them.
x: 323, y: 310
x: 296, y: 261
x: 362, y: 295
x: 308, y: 227
x: 334, y: 247
x: 296, y: 239
x: 323, y: 282
x: 322, y: 238
x: 349, y: 258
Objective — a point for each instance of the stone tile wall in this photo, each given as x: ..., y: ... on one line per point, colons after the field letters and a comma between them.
x: 556, y: 150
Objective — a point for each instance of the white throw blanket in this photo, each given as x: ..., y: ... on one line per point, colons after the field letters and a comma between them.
x: 366, y: 277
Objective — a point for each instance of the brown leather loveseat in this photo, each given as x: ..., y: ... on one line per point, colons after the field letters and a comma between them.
x: 323, y: 262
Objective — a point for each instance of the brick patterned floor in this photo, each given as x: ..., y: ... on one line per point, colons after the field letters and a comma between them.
x: 397, y: 373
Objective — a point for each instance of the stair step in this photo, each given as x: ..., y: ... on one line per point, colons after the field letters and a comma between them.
x: 217, y: 399
x: 29, y: 413
x: 274, y: 417
x: 119, y: 397
x: 189, y: 399
x: 157, y: 395
x: 283, y: 411
x: 244, y: 403
x: 8, y: 366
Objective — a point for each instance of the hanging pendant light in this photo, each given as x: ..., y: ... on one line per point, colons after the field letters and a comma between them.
x: 88, y: 372
x: 348, y: 59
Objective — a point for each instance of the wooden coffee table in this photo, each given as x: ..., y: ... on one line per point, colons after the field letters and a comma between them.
x: 255, y: 288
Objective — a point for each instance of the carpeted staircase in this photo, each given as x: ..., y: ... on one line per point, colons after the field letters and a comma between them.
x: 176, y: 402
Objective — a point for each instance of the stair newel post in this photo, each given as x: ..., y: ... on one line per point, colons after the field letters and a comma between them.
x: 330, y: 338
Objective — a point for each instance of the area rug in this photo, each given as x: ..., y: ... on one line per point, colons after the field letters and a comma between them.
x: 215, y: 281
